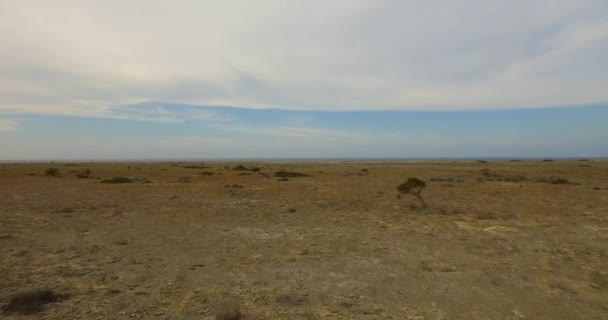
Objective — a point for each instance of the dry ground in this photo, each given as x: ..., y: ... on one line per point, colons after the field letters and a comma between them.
x: 176, y: 244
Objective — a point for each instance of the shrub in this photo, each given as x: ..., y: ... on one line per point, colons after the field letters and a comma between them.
x: 290, y: 174
x: 51, y: 172
x: 240, y: 167
x: 117, y: 180
x: 207, y: 173
x: 414, y: 187
x: 84, y: 174
x: 256, y: 169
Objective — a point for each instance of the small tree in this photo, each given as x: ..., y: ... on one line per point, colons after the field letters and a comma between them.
x: 414, y: 187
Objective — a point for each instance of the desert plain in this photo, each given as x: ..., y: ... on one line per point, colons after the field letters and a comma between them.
x: 189, y: 240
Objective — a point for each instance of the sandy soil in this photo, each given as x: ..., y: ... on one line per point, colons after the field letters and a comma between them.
x: 504, y: 243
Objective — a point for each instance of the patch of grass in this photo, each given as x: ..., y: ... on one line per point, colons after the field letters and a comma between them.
x: 289, y: 174
x: 66, y: 210
x: 442, y: 179
x: 52, y: 172
x: 283, y: 179
x: 117, y: 180
x: 485, y: 215
x: 207, y: 173
x: 31, y: 302
x: 184, y: 179
x: 555, y: 180
x: 291, y: 210
x: 490, y: 175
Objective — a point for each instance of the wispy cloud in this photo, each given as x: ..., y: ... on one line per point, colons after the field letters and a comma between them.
x: 355, y: 55
x: 8, y: 125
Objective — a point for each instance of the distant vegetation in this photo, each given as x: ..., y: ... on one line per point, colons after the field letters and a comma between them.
x: 117, y: 180
x: 84, y: 174
x: 490, y: 175
x: 52, y: 172
x: 289, y: 174
x: 240, y: 167
x: 414, y: 187
x: 193, y: 166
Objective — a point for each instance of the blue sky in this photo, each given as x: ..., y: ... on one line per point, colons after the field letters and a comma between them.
x: 303, y: 78
x: 161, y: 130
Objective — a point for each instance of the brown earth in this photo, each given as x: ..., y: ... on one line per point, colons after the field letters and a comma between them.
x: 511, y: 242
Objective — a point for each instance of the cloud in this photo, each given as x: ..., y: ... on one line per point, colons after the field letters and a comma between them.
x: 8, y: 125
x: 75, y: 57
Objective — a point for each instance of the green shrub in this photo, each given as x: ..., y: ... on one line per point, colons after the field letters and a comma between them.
x: 240, y: 167
x: 414, y: 187
x: 117, y: 180
x: 256, y: 169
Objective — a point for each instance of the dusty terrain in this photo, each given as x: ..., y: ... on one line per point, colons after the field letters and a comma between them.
x: 510, y: 242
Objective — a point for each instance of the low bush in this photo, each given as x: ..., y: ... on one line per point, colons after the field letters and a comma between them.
x: 117, y: 180
x: 289, y: 174
x: 84, y: 174
x: 52, y: 172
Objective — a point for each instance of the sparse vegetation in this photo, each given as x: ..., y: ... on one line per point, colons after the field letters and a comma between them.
x: 207, y: 173
x: 193, y: 166
x: 117, y: 180
x: 290, y: 174
x: 184, y: 179
x: 52, y: 172
x: 489, y: 175
x: 240, y: 167
x: 414, y: 187
x: 256, y: 169
x: 84, y: 174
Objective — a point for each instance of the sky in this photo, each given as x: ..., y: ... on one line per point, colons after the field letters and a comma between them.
x: 153, y: 79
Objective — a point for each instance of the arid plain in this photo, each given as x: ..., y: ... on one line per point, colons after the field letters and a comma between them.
x: 499, y: 240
